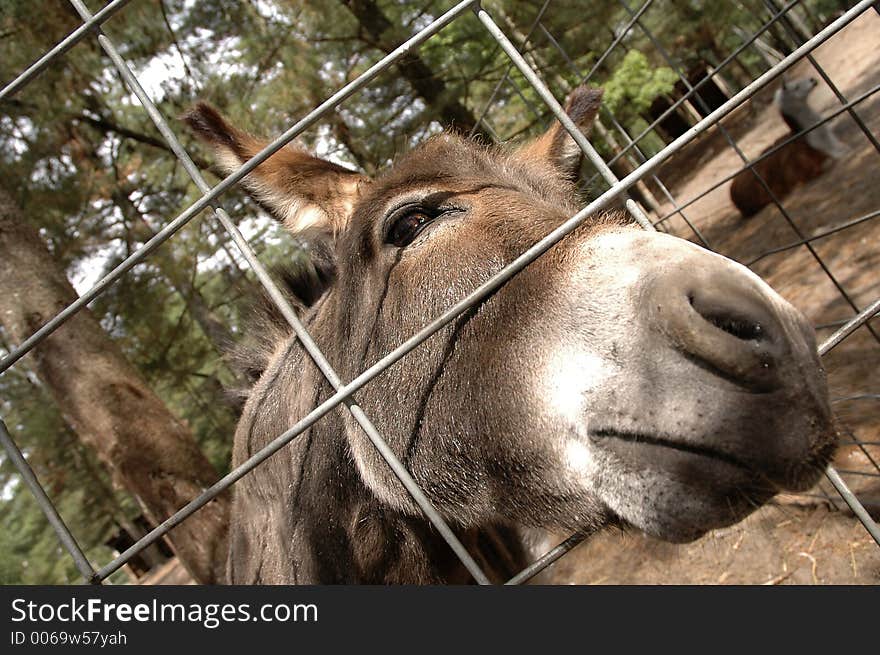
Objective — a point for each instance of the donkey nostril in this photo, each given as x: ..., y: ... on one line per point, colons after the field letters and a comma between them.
x: 740, y: 328
x: 724, y: 323
x: 737, y: 326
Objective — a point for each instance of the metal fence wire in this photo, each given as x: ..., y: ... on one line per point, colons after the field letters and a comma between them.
x: 628, y: 148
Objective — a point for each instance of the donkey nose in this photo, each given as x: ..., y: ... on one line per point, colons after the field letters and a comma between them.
x: 718, y: 318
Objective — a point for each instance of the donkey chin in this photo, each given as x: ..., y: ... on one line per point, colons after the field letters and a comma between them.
x: 715, y: 400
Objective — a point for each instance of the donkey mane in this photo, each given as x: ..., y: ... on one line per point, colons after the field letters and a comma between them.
x: 302, y: 282
x: 263, y: 327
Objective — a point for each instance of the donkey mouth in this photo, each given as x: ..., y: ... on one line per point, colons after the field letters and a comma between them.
x: 690, y: 461
x: 706, y: 463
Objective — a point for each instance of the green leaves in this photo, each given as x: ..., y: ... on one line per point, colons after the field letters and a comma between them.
x: 635, y: 84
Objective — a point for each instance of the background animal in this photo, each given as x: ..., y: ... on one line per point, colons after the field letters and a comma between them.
x: 793, y: 164
x: 624, y: 377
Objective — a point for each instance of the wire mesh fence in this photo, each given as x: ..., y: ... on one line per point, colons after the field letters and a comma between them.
x: 631, y: 172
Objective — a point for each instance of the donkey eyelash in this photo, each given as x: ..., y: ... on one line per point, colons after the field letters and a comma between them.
x: 401, y: 234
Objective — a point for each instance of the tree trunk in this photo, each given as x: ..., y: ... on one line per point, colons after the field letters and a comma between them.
x: 151, y: 554
x: 414, y: 70
x: 148, y: 451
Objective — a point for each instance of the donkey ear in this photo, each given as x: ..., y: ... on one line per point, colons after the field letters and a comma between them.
x: 297, y: 188
x: 555, y: 146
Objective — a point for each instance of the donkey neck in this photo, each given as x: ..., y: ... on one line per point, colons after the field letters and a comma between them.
x: 343, y: 534
x: 306, y: 517
x: 346, y: 535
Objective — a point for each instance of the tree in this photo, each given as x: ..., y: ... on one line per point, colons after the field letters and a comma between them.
x: 385, y: 36
x: 71, y: 475
x: 147, y: 449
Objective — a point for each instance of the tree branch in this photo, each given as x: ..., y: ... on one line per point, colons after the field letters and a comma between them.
x: 106, y: 126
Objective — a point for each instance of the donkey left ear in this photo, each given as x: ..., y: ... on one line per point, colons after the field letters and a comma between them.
x: 298, y: 189
x: 555, y: 146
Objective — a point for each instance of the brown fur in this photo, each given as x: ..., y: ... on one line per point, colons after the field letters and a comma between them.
x: 291, y: 174
x: 794, y: 164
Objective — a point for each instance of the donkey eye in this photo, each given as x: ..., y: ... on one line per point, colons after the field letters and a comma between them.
x: 407, y: 227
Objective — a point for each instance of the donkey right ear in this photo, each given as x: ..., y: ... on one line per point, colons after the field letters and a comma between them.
x: 297, y: 188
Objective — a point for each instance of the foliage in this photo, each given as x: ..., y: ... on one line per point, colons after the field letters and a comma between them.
x: 633, y: 86
x: 29, y: 549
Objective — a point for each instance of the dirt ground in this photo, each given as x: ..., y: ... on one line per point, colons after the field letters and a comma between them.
x: 799, y: 540
x: 777, y: 545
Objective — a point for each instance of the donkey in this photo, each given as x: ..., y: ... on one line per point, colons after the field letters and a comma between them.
x: 793, y: 164
x: 624, y: 378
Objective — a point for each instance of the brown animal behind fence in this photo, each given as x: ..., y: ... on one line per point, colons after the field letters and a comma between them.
x: 793, y: 164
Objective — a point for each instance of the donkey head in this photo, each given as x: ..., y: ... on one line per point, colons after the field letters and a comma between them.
x: 624, y: 375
